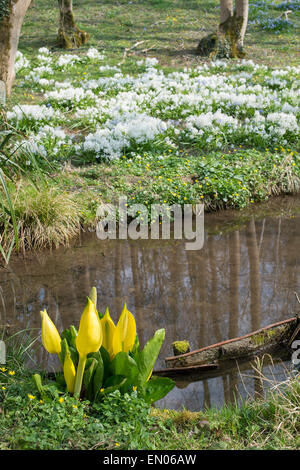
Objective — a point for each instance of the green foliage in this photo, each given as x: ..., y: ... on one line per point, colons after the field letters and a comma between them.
x: 146, y: 358
x: 4, y: 8
x: 156, y: 388
x: 126, y: 372
x: 126, y: 421
x: 7, y: 208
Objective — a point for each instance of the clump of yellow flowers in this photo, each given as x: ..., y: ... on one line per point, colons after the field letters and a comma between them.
x: 102, y: 357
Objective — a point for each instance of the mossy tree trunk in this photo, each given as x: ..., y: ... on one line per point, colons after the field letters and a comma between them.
x: 228, y: 40
x: 10, y: 27
x: 69, y: 35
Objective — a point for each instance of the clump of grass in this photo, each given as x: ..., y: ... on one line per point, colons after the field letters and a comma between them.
x: 45, y: 216
x: 268, y: 422
x: 283, y: 178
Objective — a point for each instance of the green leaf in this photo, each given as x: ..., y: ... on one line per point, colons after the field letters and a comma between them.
x: 147, y: 357
x: 98, y: 377
x: 113, y: 383
x: 106, y: 362
x: 64, y: 350
x: 88, y: 374
x: 74, y: 355
x: 74, y: 332
x: 60, y: 380
x: 70, y: 335
x: 123, y: 364
x: 38, y: 383
x: 157, y: 388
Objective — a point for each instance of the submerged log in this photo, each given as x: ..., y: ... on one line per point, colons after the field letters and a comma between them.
x: 258, y: 342
x: 183, y: 376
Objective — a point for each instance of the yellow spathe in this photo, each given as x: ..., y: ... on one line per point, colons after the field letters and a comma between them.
x: 50, y: 336
x: 69, y: 373
x: 125, y: 332
x: 89, y: 338
x: 108, y: 330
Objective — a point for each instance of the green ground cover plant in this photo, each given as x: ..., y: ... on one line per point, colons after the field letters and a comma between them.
x: 128, y: 422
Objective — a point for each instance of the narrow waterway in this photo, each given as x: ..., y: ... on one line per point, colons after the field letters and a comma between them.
x: 244, y: 277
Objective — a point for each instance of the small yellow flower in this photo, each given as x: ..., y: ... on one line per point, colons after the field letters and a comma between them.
x: 134, y: 388
x: 11, y: 372
x: 31, y: 397
x: 101, y: 390
x: 3, y: 388
x: 117, y: 444
x: 3, y: 369
x: 75, y: 406
x: 61, y: 400
x: 41, y: 401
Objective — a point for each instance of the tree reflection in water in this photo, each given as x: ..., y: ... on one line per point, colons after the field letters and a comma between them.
x: 244, y: 278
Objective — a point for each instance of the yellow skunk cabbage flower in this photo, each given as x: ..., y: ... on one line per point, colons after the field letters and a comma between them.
x: 50, y: 336
x: 125, y: 332
x: 108, y: 330
x: 69, y: 373
x: 89, y: 338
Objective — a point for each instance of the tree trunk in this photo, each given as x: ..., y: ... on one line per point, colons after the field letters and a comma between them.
x: 226, y: 10
x: 69, y: 35
x: 10, y: 27
x: 228, y: 40
x: 242, y: 8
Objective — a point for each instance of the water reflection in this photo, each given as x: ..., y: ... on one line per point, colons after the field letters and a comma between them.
x: 244, y: 278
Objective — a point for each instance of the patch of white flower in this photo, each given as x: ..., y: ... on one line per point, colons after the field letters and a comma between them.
x: 21, y: 62
x: 216, y: 104
x: 284, y: 122
x: 33, y: 112
x: 94, y: 54
x: 67, y: 59
x: 48, y: 140
x: 210, y: 120
x: 112, y: 140
x: 69, y: 95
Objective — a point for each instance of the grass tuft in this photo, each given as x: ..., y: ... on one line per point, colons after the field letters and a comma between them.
x: 46, y: 217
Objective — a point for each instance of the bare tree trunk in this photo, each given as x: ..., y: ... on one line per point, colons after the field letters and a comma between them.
x: 242, y: 9
x: 10, y: 27
x: 69, y: 35
x: 226, y: 10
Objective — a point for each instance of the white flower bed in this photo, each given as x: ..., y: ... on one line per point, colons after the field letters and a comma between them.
x: 223, y: 103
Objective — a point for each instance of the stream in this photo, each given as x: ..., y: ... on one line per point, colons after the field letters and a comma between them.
x: 245, y: 277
